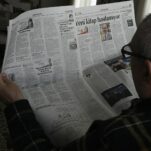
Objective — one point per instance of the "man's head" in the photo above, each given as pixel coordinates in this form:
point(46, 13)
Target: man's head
point(141, 68)
point(105, 28)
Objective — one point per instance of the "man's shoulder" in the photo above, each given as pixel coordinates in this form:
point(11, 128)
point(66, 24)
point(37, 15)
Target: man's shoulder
point(123, 132)
point(122, 121)
point(138, 115)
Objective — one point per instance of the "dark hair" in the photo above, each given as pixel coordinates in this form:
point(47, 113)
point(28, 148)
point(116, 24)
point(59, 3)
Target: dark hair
point(141, 41)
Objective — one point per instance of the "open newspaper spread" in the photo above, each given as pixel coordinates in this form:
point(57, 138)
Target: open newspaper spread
point(68, 68)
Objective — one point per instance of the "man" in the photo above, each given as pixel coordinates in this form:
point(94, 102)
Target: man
point(131, 131)
point(105, 32)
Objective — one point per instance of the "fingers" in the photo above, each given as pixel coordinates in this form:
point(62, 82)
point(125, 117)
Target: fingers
point(1, 80)
point(4, 78)
point(4, 74)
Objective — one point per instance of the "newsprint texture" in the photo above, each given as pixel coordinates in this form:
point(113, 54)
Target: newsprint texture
point(68, 64)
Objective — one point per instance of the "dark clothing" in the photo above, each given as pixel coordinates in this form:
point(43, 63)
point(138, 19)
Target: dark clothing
point(131, 131)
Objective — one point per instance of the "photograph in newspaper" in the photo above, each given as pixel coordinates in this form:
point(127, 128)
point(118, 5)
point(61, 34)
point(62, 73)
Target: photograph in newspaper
point(119, 63)
point(82, 30)
point(115, 94)
point(105, 31)
point(73, 44)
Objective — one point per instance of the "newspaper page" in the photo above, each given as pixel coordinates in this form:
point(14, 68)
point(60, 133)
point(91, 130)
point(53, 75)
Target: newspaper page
point(42, 57)
point(102, 31)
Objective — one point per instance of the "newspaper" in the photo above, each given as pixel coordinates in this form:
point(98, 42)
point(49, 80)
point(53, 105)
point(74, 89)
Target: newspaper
point(56, 55)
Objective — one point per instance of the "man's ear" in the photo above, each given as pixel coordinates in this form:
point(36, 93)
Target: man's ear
point(148, 70)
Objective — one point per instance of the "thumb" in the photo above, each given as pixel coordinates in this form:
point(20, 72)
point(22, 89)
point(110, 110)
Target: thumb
point(5, 78)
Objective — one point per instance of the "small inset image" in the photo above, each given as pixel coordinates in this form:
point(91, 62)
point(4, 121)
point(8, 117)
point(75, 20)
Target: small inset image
point(83, 30)
point(26, 26)
point(130, 22)
point(115, 94)
point(105, 32)
point(73, 44)
point(119, 63)
point(71, 19)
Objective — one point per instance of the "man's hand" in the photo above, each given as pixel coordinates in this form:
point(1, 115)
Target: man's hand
point(9, 91)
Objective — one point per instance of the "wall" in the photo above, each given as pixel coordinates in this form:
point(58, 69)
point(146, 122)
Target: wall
point(143, 9)
point(46, 3)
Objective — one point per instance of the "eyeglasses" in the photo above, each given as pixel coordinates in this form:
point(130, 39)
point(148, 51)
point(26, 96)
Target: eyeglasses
point(127, 53)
